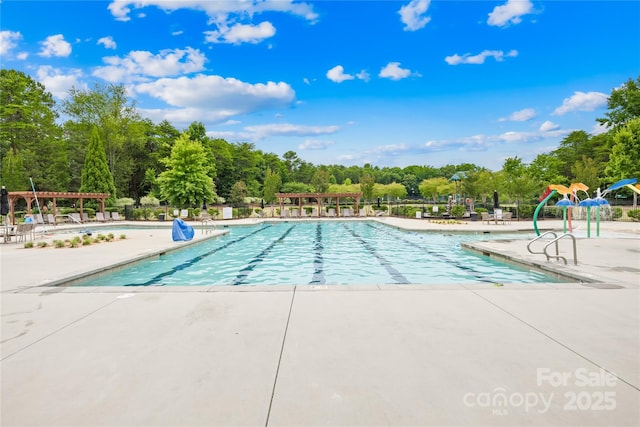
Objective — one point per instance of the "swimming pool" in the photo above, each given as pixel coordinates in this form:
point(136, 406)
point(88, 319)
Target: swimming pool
point(321, 253)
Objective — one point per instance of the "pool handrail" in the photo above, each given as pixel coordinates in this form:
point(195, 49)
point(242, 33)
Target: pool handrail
point(575, 252)
point(555, 236)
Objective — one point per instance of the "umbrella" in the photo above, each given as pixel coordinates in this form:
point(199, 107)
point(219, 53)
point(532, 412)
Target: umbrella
point(4, 201)
point(262, 204)
point(496, 203)
point(565, 203)
point(601, 201)
point(588, 203)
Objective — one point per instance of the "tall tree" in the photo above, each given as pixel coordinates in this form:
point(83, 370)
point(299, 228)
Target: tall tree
point(96, 177)
point(28, 128)
point(320, 181)
point(271, 186)
point(623, 104)
point(186, 182)
point(367, 183)
point(116, 117)
point(625, 155)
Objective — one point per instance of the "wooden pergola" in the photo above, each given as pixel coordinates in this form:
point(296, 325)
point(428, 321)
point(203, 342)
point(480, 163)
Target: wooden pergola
point(319, 197)
point(30, 197)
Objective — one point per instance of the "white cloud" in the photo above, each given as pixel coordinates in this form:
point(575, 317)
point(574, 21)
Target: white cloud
point(177, 33)
point(287, 129)
point(509, 13)
point(484, 142)
point(59, 83)
point(599, 128)
point(337, 74)
point(306, 81)
point(548, 126)
point(214, 98)
point(241, 33)
point(519, 116)
point(582, 101)
point(412, 14)
point(393, 71)
point(219, 12)
point(391, 149)
point(55, 46)
point(315, 144)
point(467, 58)
point(107, 42)
point(232, 122)
point(138, 65)
point(8, 41)
point(363, 75)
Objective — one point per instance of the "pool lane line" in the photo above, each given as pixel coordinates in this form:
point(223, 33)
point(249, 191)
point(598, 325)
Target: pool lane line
point(470, 271)
point(192, 261)
point(395, 274)
point(318, 261)
point(241, 277)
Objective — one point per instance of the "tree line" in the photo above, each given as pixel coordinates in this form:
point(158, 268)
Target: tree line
point(95, 140)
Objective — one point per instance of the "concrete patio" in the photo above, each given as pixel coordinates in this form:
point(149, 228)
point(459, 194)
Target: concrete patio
point(410, 355)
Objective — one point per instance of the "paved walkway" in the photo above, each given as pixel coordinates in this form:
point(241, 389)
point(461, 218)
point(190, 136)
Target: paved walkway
point(545, 354)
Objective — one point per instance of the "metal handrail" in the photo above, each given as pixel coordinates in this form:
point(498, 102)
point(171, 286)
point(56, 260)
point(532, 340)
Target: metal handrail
point(540, 237)
point(575, 252)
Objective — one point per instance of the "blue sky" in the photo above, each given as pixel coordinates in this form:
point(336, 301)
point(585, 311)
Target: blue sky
point(391, 83)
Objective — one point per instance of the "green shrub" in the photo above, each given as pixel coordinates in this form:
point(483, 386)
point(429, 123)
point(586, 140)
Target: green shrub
point(28, 244)
point(124, 201)
point(149, 201)
point(42, 244)
point(634, 214)
point(86, 241)
point(481, 210)
point(96, 240)
point(213, 212)
point(458, 210)
point(137, 214)
point(58, 243)
point(616, 213)
point(123, 236)
point(101, 237)
point(526, 211)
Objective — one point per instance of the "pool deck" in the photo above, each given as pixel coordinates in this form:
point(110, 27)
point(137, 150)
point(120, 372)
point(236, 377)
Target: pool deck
point(396, 355)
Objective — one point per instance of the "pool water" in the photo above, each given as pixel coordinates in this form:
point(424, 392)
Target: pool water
point(321, 253)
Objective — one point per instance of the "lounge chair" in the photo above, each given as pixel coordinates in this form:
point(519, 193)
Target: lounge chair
point(363, 212)
point(85, 217)
point(294, 213)
point(184, 213)
point(332, 213)
point(100, 217)
point(39, 219)
point(314, 213)
point(303, 213)
point(115, 216)
point(486, 217)
point(75, 217)
point(51, 219)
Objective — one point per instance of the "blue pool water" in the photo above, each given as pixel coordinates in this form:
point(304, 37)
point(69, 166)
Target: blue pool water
point(321, 253)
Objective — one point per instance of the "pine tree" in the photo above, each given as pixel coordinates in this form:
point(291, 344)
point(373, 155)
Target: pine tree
point(96, 177)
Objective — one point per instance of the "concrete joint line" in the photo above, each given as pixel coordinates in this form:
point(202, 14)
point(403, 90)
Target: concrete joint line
point(284, 338)
point(556, 341)
point(58, 330)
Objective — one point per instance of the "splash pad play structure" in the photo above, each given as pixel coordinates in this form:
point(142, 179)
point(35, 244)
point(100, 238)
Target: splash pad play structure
point(570, 200)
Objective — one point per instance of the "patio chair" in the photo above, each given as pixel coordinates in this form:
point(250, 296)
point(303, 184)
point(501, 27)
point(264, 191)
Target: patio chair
point(51, 219)
point(115, 216)
point(332, 213)
point(303, 213)
point(294, 213)
point(486, 217)
point(363, 212)
point(39, 219)
point(100, 217)
point(184, 213)
point(24, 232)
point(85, 217)
point(314, 213)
